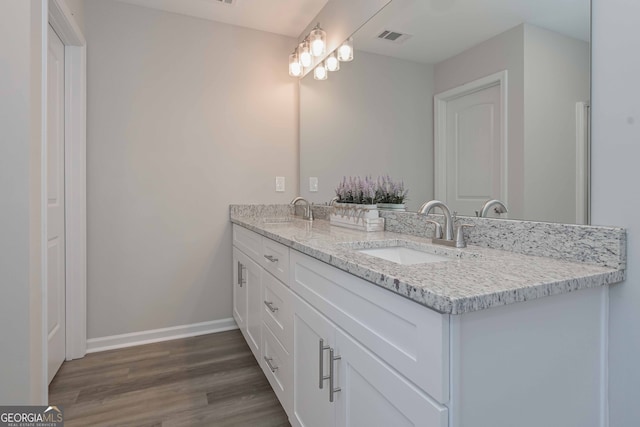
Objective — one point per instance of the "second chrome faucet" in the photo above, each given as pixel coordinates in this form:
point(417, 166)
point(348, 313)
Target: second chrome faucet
point(308, 213)
point(451, 237)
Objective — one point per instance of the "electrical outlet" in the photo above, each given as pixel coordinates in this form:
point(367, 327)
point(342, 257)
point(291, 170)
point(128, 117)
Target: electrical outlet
point(280, 184)
point(313, 184)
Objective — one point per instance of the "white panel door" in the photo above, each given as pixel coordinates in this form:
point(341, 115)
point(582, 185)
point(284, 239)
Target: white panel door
point(311, 406)
point(473, 164)
point(55, 206)
point(373, 394)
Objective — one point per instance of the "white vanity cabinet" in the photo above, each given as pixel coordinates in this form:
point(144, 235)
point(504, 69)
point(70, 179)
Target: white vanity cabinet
point(262, 307)
point(338, 382)
point(378, 341)
point(392, 362)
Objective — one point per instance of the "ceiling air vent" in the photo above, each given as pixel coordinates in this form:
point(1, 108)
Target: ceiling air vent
point(227, 2)
point(393, 36)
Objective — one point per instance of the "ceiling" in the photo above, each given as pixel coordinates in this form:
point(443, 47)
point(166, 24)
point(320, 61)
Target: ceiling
point(440, 29)
point(286, 17)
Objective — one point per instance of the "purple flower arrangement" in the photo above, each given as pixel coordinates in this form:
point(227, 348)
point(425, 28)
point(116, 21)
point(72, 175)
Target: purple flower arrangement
point(368, 191)
point(389, 191)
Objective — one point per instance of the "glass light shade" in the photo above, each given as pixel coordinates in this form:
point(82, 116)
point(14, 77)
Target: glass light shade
point(295, 68)
point(320, 72)
point(332, 62)
point(304, 54)
point(345, 51)
point(318, 41)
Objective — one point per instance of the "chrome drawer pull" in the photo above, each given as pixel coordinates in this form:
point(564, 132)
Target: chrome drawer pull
point(271, 258)
point(322, 376)
point(241, 279)
point(332, 359)
point(268, 360)
point(271, 307)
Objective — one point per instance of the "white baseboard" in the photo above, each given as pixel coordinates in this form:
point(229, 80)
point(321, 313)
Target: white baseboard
point(157, 335)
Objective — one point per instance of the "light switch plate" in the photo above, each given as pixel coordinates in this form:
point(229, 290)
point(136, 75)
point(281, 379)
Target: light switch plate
point(313, 184)
point(280, 184)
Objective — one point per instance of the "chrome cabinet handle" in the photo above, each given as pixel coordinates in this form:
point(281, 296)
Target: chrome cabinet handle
point(241, 280)
point(332, 359)
point(271, 258)
point(322, 376)
point(271, 307)
point(269, 364)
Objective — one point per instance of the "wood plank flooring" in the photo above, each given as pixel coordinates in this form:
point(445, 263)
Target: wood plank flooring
point(210, 380)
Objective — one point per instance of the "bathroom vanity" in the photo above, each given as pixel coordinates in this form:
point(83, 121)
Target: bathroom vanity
point(469, 337)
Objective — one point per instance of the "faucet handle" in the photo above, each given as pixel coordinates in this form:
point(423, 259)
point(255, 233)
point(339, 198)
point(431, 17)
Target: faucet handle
point(437, 232)
point(460, 241)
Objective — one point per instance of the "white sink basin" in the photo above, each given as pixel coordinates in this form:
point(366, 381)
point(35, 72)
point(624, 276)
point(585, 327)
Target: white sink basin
point(404, 256)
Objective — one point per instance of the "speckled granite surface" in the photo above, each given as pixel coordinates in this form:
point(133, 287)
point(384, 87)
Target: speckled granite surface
point(605, 246)
point(475, 278)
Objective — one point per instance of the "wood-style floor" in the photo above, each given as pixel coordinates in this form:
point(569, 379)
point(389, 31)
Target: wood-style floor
point(211, 380)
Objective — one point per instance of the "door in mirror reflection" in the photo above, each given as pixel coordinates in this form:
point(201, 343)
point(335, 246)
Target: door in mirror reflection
point(470, 146)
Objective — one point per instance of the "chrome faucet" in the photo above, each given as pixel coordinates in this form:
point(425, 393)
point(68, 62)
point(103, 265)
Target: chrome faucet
point(497, 205)
point(450, 239)
point(426, 208)
point(333, 201)
point(308, 213)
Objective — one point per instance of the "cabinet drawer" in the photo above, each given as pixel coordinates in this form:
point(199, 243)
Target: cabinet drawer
point(409, 337)
point(277, 365)
point(248, 242)
point(277, 312)
point(275, 259)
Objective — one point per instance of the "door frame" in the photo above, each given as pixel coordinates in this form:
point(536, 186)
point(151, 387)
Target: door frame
point(440, 101)
point(61, 20)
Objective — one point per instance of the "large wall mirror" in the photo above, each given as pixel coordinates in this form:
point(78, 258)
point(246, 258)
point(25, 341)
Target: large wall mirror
point(464, 100)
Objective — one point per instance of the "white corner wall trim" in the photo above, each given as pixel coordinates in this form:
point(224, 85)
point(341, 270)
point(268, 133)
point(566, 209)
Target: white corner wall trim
point(132, 339)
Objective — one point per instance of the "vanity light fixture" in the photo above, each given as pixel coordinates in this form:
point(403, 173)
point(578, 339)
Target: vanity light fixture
point(345, 51)
point(304, 53)
point(318, 41)
point(320, 72)
point(314, 46)
point(332, 62)
point(295, 67)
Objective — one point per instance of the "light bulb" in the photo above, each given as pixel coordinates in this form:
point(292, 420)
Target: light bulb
point(332, 62)
point(320, 72)
point(295, 68)
point(317, 38)
point(305, 54)
point(345, 51)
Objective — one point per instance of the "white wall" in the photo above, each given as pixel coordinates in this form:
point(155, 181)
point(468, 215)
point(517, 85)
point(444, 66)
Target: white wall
point(616, 151)
point(185, 116)
point(556, 76)
point(373, 117)
point(21, 132)
point(502, 52)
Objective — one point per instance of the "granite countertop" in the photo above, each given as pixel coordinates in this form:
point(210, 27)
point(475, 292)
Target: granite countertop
point(475, 278)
